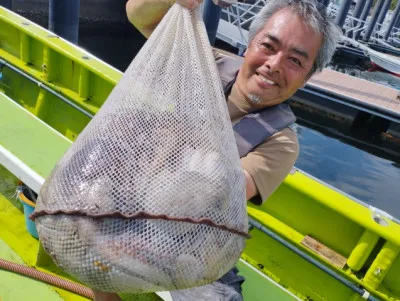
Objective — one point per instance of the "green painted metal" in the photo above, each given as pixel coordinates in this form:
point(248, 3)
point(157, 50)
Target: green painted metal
point(289, 270)
point(14, 234)
point(48, 144)
point(258, 287)
point(300, 206)
point(11, 284)
point(66, 68)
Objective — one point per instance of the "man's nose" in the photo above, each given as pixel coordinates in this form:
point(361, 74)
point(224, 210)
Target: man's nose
point(275, 63)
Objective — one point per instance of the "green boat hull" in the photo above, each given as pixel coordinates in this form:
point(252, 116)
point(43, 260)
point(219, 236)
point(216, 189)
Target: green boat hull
point(39, 123)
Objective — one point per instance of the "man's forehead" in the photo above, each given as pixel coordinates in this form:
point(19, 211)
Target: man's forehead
point(285, 15)
point(285, 26)
point(294, 48)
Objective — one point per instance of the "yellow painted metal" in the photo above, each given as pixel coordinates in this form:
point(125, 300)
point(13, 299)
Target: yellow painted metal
point(84, 83)
point(60, 65)
point(41, 109)
point(13, 231)
point(17, 23)
point(304, 206)
point(336, 202)
point(25, 47)
point(381, 265)
point(363, 250)
point(50, 64)
point(357, 297)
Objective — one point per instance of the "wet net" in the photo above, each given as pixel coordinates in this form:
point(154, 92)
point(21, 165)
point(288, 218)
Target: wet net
point(151, 195)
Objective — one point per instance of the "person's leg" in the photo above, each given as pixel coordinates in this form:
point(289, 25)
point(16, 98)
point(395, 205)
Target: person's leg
point(227, 288)
point(233, 280)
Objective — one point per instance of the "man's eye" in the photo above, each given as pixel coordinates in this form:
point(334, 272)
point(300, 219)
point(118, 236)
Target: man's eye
point(296, 61)
point(268, 46)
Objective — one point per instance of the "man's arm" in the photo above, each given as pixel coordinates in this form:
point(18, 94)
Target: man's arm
point(146, 14)
point(270, 163)
point(251, 188)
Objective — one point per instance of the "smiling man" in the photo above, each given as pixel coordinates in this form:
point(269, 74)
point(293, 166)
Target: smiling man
point(279, 59)
point(290, 40)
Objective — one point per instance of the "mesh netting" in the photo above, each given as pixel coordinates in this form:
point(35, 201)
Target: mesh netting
point(151, 196)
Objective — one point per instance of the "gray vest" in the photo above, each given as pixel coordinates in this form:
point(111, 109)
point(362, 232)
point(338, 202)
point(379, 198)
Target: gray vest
point(254, 128)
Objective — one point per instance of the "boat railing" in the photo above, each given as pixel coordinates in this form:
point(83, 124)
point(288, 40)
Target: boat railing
point(354, 26)
point(379, 31)
point(332, 10)
point(394, 36)
point(236, 19)
point(235, 22)
point(242, 14)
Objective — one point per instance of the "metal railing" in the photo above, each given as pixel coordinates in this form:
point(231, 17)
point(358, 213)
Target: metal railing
point(235, 22)
point(353, 27)
point(236, 19)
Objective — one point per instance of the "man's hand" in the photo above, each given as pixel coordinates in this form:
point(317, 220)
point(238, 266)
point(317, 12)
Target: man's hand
point(251, 188)
point(146, 14)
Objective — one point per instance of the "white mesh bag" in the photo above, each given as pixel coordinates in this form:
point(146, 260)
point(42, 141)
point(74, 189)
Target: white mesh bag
point(151, 196)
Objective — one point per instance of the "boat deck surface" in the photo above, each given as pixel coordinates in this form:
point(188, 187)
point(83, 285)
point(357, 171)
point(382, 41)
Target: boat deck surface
point(363, 92)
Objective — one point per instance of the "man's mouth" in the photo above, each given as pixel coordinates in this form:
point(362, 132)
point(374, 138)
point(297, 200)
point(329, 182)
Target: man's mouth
point(266, 80)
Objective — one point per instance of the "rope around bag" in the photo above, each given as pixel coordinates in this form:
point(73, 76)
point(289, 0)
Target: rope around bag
point(141, 215)
point(57, 281)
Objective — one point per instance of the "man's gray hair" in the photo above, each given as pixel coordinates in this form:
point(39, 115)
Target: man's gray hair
point(314, 16)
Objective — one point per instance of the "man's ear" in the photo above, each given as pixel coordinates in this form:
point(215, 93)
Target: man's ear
point(244, 53)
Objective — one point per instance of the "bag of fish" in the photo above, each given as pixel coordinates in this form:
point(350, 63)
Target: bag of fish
point(151, 195)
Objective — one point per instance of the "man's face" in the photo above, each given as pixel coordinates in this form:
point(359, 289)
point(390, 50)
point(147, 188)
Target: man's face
point(278, 60)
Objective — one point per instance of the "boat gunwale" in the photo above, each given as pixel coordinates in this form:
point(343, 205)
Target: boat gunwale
point(57, 43)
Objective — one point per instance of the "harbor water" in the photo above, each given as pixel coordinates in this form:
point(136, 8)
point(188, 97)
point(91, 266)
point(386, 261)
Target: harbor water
point(372, 179)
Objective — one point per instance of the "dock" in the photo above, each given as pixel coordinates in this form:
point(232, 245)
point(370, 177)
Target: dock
point(359, 93)
point(352, 106)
